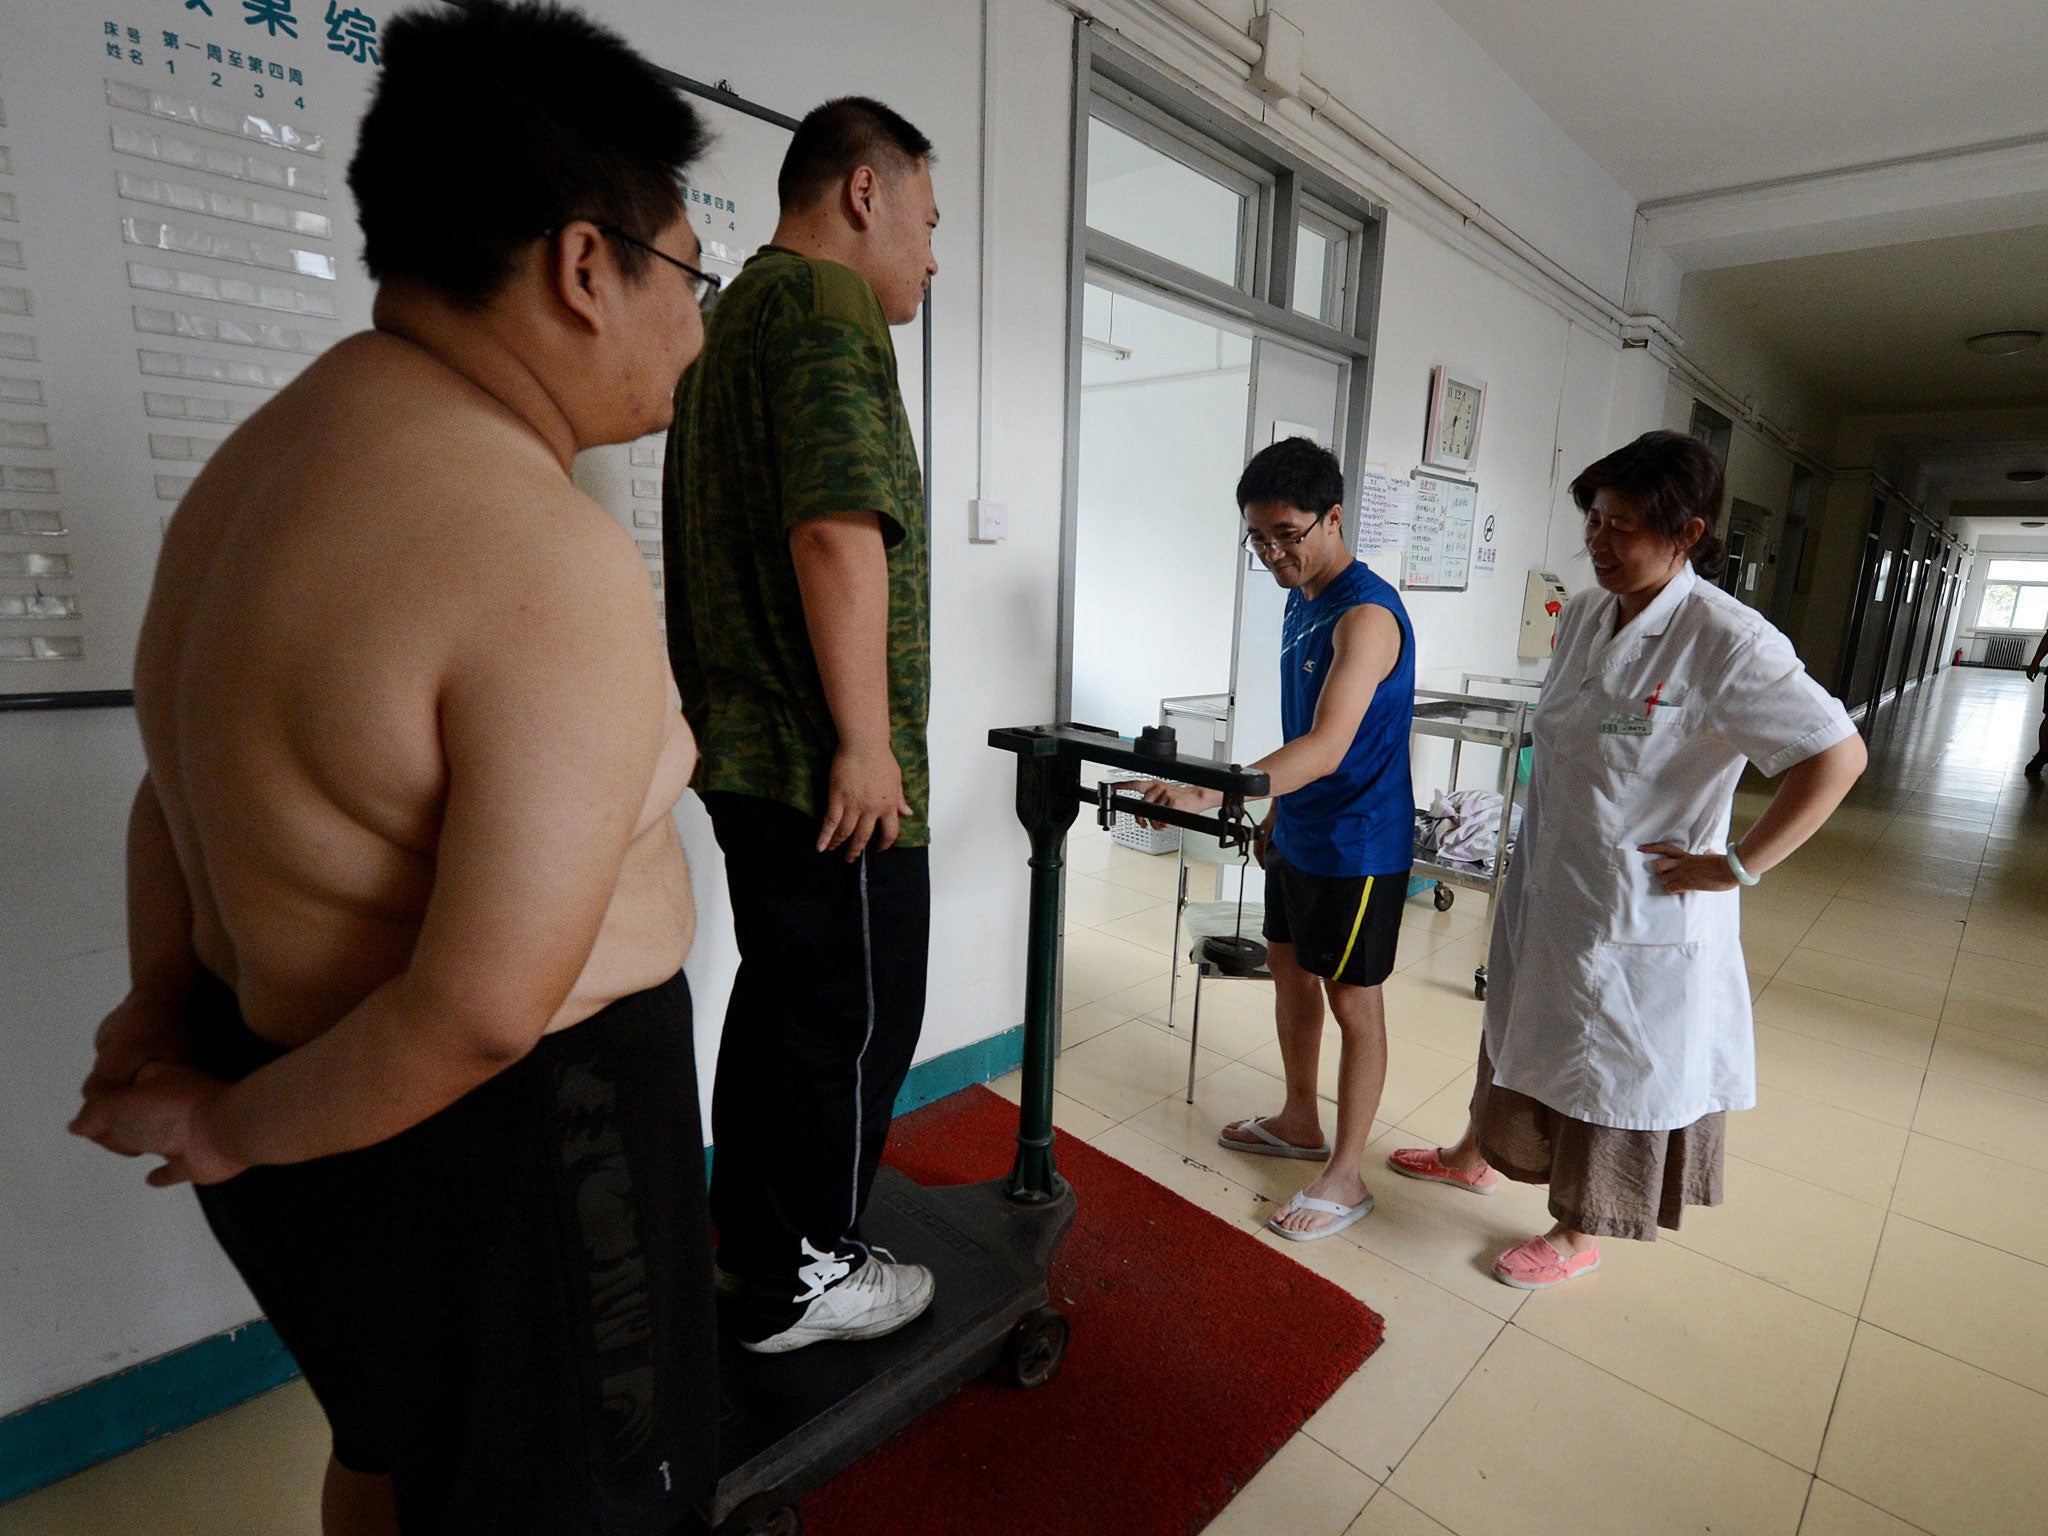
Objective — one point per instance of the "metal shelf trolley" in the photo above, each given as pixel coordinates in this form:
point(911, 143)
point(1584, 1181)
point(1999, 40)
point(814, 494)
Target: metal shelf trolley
point(1472, 719)
point(1486, 684)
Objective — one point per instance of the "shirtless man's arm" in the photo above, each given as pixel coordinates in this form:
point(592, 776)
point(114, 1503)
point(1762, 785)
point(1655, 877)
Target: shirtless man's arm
point(552, 709)
point(149, 1024)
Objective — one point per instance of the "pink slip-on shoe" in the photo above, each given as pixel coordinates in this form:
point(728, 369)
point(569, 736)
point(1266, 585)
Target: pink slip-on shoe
point(1428, 1163)
point(1536, 1266)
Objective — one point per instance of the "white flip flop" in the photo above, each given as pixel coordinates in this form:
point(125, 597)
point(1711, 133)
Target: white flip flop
point(1347, 1216)
point(1269, 1145)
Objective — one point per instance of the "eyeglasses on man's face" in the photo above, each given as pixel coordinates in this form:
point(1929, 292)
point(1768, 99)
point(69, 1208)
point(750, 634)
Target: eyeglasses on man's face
point(707, 284)
point(1268, 549)
point(704, 285)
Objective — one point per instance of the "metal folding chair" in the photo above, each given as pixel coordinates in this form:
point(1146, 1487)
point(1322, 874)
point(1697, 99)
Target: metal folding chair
point(1202, 920)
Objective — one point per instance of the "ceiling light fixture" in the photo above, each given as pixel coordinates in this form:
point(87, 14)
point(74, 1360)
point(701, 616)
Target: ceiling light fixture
point(1999, 343)
point(2026, 476)
point(2034, 523)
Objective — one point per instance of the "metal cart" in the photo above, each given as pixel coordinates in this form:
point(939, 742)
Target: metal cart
point(1470, 718)
point(1481, 682)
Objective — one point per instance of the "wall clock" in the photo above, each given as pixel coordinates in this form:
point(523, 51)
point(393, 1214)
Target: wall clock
point(1452, 436)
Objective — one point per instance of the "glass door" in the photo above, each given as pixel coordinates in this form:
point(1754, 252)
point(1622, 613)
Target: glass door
point(1165, 394)
point(1294, 393)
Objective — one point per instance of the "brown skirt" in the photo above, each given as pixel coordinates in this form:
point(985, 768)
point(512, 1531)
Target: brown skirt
point(1604, 1181)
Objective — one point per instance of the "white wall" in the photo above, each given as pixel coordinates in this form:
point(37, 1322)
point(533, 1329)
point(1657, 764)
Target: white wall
point(1421, 80)
point(1549, 388)
point(1760, 463)
point(97, 1270)
point(1729, 352)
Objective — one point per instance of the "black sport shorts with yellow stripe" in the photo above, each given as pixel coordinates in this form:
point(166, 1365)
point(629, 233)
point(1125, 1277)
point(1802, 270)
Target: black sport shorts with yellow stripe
point(1343, 928)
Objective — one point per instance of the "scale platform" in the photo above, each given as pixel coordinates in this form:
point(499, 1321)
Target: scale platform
point(791, 1422)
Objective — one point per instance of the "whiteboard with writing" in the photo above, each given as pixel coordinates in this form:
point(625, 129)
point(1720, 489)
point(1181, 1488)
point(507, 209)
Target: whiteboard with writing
point(1440, 535)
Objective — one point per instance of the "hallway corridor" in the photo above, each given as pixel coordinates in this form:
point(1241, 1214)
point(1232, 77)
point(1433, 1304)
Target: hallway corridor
point(1856, 1344)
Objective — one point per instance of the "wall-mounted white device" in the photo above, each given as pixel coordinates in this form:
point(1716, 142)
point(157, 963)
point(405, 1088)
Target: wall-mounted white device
point(1542, 598)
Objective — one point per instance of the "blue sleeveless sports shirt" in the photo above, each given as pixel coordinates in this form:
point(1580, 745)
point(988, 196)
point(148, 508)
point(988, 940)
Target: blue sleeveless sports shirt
point(1359, 820)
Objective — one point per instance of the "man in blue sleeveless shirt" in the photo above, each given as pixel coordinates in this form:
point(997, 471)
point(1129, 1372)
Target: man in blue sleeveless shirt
point(1338, 842)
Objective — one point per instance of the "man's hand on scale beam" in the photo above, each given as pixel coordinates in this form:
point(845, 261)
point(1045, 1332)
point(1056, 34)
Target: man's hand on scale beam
point(1185, 797)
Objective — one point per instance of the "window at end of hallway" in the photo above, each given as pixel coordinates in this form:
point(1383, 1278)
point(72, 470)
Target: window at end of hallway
point(2015, 595)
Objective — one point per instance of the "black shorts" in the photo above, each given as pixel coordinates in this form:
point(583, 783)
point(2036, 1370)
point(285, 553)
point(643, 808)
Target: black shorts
point(1343, 928)
point(508, 1308)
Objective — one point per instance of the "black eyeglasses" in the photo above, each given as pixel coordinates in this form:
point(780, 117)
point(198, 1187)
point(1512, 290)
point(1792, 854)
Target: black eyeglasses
point(1267, 548)
point(705, 285)
point(708, 283)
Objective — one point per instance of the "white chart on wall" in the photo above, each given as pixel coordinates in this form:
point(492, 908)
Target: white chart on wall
point(177, 243)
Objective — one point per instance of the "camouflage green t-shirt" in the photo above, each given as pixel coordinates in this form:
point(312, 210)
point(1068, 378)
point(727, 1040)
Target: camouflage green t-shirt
point(792, 412)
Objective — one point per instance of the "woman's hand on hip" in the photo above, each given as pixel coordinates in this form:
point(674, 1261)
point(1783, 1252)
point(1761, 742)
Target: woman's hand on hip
point(1681, 870)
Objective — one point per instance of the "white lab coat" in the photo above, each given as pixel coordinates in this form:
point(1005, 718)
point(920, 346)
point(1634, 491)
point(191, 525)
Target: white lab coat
point(1608, 998)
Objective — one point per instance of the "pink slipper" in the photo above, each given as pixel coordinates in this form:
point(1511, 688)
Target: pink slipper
point(1428, 1163)
point(1536, 1266)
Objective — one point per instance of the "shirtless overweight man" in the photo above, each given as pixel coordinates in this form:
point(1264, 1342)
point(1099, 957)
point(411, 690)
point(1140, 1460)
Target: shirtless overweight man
point(408, 908)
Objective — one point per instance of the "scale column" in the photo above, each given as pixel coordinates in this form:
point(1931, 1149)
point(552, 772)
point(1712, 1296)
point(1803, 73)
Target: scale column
point(1047, 802)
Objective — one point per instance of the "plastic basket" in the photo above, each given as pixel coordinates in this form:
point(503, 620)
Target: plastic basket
point(1129, 832)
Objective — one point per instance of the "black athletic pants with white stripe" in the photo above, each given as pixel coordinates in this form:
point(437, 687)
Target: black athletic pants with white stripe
point(824, 1017)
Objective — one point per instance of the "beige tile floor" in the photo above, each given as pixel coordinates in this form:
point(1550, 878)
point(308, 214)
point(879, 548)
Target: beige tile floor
point(1855, 1344)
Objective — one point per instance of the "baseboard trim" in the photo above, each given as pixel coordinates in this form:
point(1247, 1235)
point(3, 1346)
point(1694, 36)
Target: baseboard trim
point(73, 1431)
point(979, 1062)
point(66, 1434)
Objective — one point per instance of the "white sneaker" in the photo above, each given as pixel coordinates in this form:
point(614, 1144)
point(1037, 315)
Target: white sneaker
point(875, 1299)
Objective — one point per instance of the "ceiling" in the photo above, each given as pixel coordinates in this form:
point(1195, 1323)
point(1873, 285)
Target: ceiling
point(1971, 472)
point(1959, 462)
point(1673, 97)
point(1882, 329)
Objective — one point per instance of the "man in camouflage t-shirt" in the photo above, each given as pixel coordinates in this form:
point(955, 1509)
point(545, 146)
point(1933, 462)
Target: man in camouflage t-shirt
point(799, 626)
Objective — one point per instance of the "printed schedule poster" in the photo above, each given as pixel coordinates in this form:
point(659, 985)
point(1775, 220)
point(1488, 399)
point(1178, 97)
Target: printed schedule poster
point(176, 244)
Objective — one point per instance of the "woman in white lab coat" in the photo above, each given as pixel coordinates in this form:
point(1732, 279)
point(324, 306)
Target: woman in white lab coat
point(1617, 1031)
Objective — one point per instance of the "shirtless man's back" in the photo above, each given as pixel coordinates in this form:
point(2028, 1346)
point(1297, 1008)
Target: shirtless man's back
point(343, 612)
point(408, 909)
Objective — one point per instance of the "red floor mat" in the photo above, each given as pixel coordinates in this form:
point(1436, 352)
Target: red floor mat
point(1197, 1352)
